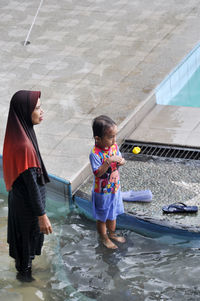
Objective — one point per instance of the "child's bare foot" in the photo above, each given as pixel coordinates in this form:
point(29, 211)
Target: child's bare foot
point(108, 243)
point(117, 238)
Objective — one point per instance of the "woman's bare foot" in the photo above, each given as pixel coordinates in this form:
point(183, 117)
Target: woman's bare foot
point(108, 243)
point(117, 238)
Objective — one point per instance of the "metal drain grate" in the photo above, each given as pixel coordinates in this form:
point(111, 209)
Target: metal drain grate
point(160, 150)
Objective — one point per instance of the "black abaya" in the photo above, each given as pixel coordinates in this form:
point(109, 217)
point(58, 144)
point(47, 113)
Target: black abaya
point(26, 201)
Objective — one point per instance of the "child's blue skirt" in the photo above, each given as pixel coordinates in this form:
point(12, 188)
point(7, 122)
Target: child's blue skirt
point(107, 206)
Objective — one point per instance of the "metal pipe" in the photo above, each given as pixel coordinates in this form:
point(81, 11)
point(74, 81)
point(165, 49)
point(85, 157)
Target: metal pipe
point(25, 43)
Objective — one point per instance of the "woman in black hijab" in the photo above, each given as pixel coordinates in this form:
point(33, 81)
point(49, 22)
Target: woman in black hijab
point(25, 177)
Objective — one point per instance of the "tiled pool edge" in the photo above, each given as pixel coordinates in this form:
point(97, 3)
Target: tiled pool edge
point(178, 77)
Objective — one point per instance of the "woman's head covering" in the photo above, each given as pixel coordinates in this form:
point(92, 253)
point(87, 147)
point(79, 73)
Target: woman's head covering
point(20, 150)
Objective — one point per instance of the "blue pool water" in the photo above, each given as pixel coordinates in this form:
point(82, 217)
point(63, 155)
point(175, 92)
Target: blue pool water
point(181, 86)
point(189, 95)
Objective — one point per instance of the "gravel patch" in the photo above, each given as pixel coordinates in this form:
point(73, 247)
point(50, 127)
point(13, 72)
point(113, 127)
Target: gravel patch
point(170, 181)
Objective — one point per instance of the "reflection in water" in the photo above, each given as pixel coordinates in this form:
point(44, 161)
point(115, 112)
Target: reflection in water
point(141, 269)
point(76, 266)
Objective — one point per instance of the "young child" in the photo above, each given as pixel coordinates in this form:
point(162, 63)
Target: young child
point(105, 158)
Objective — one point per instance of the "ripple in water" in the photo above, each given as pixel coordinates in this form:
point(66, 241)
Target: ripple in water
point(141, 269)
point(76, 266)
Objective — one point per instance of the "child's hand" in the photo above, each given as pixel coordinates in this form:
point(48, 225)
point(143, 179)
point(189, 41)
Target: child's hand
point(118, 159)
point(122, 162)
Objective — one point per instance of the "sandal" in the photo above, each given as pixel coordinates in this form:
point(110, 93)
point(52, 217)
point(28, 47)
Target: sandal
point(179, 208)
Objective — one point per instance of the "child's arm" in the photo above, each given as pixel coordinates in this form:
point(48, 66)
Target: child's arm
point(104, 167)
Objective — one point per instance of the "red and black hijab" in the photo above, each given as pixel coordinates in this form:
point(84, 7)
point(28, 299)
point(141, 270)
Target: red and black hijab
point(20, 150)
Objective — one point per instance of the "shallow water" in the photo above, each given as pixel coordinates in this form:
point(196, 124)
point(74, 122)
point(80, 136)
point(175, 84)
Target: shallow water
point(141, 269)
point(46, 285)
point(75, 266)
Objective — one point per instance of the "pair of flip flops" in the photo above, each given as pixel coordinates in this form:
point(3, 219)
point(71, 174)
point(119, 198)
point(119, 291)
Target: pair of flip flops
point(179, 208)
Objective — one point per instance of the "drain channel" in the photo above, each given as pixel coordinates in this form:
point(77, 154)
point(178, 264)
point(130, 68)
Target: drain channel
point(160, 150)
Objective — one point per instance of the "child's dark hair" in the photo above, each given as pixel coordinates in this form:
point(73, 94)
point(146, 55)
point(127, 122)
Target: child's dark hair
point(100, 125)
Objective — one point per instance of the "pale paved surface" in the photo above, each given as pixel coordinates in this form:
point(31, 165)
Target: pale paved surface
point(89, 58)
point(170, 124)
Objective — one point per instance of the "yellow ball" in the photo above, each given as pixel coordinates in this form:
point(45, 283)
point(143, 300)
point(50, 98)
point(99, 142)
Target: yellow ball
point(136, 150)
